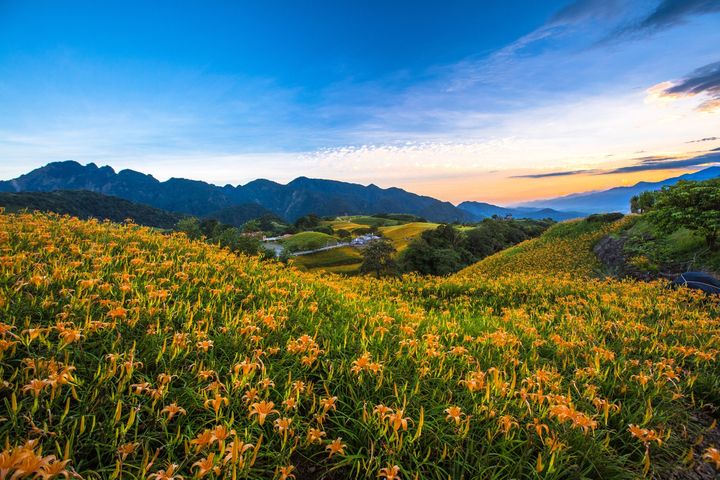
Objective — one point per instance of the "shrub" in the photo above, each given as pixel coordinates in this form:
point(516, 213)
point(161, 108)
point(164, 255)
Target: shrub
point(605, 217)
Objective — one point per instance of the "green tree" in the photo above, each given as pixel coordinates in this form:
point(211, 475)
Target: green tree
point(234, 239)
point(378, 258)
point(251, 226)
point(693, 205)
point(308, 222)
point(642, 203)
point(190, 226)
point(343, 233)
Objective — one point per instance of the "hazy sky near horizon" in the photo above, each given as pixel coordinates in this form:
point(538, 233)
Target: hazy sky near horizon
point(499, 101)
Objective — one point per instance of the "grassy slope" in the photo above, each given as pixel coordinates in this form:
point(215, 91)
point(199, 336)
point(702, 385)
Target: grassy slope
point(565, 248)
point(369, 221)
point(308, 241)
point(343, 256)
point(340, 224)
point(352, 223)
point(402, 235)
point(548, 372)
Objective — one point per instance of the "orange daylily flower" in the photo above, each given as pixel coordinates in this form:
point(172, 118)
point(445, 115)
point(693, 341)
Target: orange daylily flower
point(35, 386)
point(205, 439)
point(127, 449)
point(282, 425)
point(315, 435)
point(390, 473)
point(336, 446)
point(262, 410)
point(329, 403)
point(286, 472)
point(712, 455)
point(455, 414)
point(217, 403)
point(207, 465)
point(172, 410)
point(645, 435)
point(397, 420)
point(168, 474)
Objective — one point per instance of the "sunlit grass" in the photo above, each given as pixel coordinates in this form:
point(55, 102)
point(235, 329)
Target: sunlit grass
point(402, 235)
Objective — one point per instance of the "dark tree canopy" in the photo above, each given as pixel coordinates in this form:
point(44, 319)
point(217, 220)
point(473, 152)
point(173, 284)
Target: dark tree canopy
point(378, 258)
point(221, 234)
point(308, 222)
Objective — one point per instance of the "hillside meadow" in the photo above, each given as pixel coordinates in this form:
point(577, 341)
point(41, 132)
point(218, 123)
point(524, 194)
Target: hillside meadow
point(126, 353)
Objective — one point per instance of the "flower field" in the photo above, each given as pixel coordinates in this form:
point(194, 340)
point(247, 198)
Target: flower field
point(566, 248)
point(126, 353)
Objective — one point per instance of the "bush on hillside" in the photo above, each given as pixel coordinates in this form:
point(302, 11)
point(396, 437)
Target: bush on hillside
point(693, 205)
point(605, 217)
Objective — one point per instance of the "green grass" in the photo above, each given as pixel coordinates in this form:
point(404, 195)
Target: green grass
point(342, 256)
point(653, 251)
point(339, 224)
point(308, 241)
point(349, 269)
point(348, 259)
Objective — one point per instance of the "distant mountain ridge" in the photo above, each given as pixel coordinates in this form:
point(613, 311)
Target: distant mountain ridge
point(299, 197)
point(259, 197)
point(485, 210)
point(616, 199)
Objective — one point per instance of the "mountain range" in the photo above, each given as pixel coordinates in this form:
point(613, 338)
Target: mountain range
point(481, 210)
point(299, 197)
point(238, 204)
point(235, 205)
point(616, 199)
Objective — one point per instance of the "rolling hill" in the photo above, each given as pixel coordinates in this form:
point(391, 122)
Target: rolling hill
point(564, 249)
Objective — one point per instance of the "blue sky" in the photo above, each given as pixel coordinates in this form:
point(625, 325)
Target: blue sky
point(499, 101)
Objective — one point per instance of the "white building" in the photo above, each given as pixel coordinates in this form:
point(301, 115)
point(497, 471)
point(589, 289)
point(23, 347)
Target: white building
point(363, 240)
